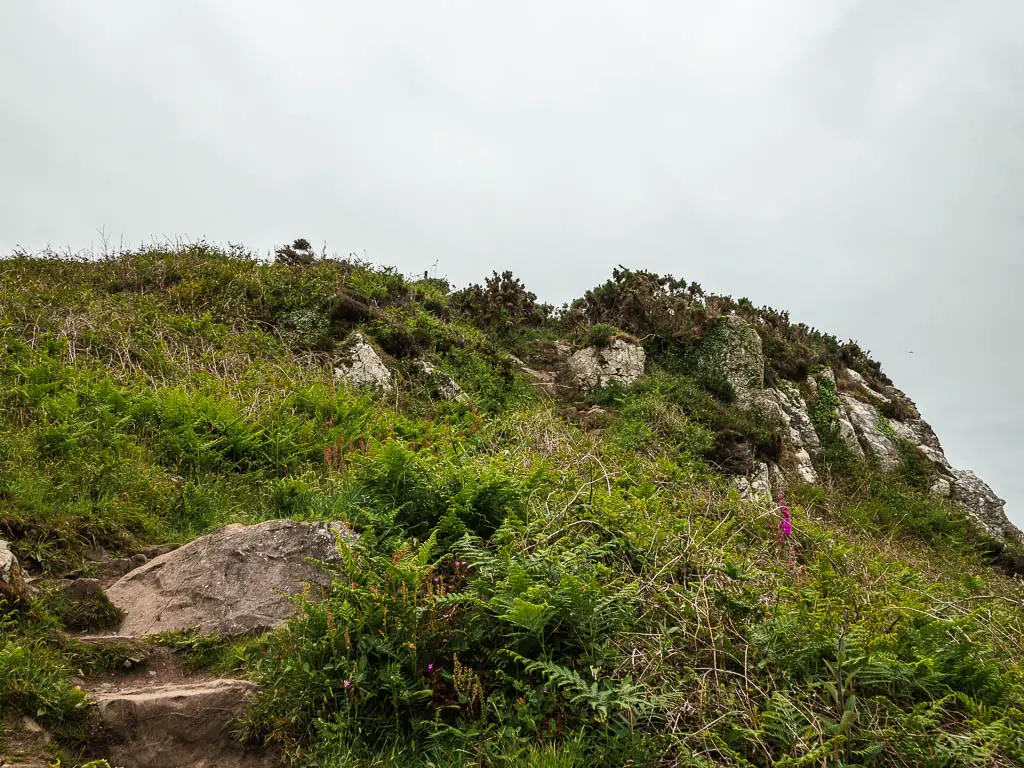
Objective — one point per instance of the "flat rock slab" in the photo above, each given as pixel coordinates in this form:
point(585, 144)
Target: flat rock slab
point(234, 581)
point(173, 726)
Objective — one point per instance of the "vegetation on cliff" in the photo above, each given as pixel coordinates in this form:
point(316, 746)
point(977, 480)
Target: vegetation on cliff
point(527, 588)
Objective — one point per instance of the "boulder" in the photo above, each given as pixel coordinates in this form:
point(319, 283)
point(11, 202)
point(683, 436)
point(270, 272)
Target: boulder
point(868, 426)
point(236, 580)
point(362, 366)
point(982, 504)
point(443, 384)
point(177, 725)
point(595, 367)
point(732, 352)
point(13, 586)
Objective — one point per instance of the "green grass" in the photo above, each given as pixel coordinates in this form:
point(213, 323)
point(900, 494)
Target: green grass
point(522, 592)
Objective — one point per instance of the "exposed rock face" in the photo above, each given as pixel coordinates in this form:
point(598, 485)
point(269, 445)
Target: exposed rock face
point(732, 352)
point(868, 426)
point(12, 578)
point(177, 725)
point(593, 367)
point(981, 502)
point(445, 386)
point(802, 443)
point(234, 581)
point(362, 366)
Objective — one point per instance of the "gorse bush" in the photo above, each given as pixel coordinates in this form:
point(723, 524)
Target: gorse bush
point(523, 591)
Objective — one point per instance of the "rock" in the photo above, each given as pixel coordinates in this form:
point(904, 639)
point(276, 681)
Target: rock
point(157, 549)
point(918, 433)
point(942, 488)
point(443, 384)
point(758, 485)
point(138, 560)
point(187, 724)
point(362, 366)
point(234, 581)
point(593, 367)
point(116, 568)
point(867, 424)
point(83, 589)
point(732, 352)
point(860, 385)
point(802, 444)
point(732, 454)
point(982, 504)
point(13, 586)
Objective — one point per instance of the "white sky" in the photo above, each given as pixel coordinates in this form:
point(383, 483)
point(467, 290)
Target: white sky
point(857, 162)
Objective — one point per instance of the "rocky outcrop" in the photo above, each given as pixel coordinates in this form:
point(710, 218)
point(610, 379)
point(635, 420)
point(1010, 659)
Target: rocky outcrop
point(189, 724)
point(981, 503)
point(236, 580)
point(868, 426)
point(443, 385)
point(361, 366)
point(595, 367)
point(732, 352)
point(801, 444)
point(13, 586)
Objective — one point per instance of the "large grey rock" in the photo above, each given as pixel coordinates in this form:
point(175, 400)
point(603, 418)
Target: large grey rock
point(12, 579)
point(732, 351)
point(189, 724)
point(801, 444)
point(234, 581)
point(982, 504)
point(868, 424)
point(361, 366)
point(596, 367)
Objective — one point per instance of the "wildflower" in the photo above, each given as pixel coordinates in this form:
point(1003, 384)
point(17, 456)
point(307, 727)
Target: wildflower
point(348, 683)
point(430, 667)
point(785, 524)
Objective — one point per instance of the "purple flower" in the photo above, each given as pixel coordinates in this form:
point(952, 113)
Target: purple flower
point(785, 524)
point(430, 667)
point(348, 683)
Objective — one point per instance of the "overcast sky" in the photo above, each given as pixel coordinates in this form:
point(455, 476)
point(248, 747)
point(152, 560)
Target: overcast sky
point(859, 163)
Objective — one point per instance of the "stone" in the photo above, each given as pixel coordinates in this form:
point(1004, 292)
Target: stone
point(138, 560)
point(12, 578)
point(758, 485)
point(868, 426)
point(188, 724)
point(942, 488)
point(860, 385)
point(732, 352)
point(234, 581)
point(596, 367)
point(981, 503)
point(83, 589)
point(362, 366)
point(444, 385)
point(801, 445)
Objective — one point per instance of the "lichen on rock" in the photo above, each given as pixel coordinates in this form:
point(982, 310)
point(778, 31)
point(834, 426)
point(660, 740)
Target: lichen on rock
point(619, 362)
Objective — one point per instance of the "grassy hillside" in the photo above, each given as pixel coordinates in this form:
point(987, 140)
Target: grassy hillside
point(528, 589)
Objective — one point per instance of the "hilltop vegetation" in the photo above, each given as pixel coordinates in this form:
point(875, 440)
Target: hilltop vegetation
point(527, 588)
